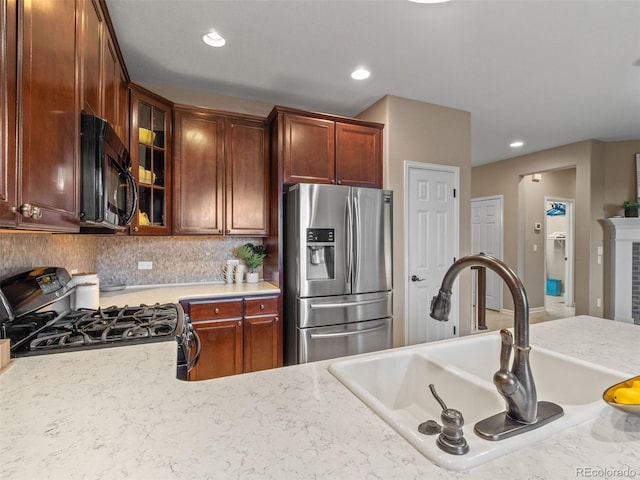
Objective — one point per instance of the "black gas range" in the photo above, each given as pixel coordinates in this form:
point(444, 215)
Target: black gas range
point(31, 316)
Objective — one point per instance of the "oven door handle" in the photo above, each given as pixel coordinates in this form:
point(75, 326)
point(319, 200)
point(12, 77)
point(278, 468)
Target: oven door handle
point(317, 336)
point(192, 333)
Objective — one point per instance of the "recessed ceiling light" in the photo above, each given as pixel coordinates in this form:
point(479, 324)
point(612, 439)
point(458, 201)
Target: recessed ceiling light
point(516, 144)
point(214, 39)
point(360, 74)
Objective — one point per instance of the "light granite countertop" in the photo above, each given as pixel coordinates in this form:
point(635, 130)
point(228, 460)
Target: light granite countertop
point(120, 413)
point(151, 294)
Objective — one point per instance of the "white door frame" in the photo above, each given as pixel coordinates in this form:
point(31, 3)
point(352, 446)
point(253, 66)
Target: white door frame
point(455, 306)
point(500, 251)
point(569, 249)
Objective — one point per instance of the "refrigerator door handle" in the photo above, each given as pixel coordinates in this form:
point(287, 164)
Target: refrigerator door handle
point(315, 336)
point(349, 244)
point(356, 240)
point(320, 306)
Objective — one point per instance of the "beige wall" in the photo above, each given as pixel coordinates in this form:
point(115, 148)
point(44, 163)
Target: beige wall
point(560, 184)
point(620, 175)
point(427, 133)
point(605, 176)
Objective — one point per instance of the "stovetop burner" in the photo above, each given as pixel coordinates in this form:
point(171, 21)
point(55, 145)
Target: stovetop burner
point(80, 329)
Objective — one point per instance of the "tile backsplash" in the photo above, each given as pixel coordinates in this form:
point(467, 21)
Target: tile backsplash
point(175, 259)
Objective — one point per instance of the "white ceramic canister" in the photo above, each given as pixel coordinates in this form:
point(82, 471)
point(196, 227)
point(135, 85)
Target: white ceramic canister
point(87, 291)
point(240, 269)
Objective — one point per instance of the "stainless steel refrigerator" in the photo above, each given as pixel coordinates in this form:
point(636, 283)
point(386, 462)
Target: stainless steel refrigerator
point(338, 271)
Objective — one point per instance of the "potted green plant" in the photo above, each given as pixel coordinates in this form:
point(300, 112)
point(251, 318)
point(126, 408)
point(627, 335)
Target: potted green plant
point(253, 256)
point(630, 208)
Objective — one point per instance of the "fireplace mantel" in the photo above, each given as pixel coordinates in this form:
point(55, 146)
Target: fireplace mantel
point(624, 235)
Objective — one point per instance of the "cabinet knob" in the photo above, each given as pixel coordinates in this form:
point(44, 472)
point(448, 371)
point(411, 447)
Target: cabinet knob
point(29, 211)
point(333, 181)
point(239, 324)
point(216, 311)
point(228, 231)
point(135, 229)
point(262, 306)
point(339, 182)
point(275, 319)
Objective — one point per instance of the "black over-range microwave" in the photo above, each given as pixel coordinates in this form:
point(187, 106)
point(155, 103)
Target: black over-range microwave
point(108, 192)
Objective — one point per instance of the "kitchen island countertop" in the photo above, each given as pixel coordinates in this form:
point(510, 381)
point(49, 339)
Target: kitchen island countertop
point(120, 413)
point(151, 294)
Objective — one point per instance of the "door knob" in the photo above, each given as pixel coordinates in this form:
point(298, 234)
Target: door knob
point(414, 278)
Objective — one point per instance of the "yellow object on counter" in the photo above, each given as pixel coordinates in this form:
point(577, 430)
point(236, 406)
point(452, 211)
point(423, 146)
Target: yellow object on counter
point(624, 396)
point(627, 396)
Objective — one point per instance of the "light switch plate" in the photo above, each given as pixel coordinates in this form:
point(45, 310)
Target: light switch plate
point(145, 265)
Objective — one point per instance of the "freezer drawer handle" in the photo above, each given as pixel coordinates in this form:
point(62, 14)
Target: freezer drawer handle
point(318, 306)
point(315, 336)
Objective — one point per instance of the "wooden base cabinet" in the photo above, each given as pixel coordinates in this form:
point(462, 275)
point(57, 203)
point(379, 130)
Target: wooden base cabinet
point(262, 334)
point(238, 335)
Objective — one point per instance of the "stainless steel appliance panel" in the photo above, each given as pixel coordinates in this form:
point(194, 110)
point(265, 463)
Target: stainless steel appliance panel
point(372, 240)
point(324, 311)
point(318, 267)
point(322, 343)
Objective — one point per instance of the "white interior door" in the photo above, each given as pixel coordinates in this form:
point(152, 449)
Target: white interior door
point(486, 237)
point(431, 245)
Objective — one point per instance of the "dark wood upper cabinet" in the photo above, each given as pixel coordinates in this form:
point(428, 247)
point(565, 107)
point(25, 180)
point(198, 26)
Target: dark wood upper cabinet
point(114, 86)
point(151, 161)
point(48, 117)
point(198, 173)
point(308, 150)
point(90, 58)
point(102, 77)
point(320, 148)
point(221, 173)
point(246, 157)
point(8, 86)
point(358, 155)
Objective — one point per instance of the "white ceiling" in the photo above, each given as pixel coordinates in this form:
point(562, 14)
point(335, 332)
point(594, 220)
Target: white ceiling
point(549, 72)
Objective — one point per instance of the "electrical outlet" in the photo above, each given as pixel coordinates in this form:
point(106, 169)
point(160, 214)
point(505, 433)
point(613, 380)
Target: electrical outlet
point(145, 265)
point(74, 271)
point(598, 303)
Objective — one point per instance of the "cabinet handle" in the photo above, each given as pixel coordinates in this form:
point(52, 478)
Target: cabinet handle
point(216, 311)
point(29, 211)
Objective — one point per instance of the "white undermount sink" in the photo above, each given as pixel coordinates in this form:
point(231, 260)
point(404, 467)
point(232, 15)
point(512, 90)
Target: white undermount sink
point(395, 385)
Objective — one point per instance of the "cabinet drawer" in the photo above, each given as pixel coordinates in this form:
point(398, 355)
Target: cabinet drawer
point(260, 306)
point(215, 310)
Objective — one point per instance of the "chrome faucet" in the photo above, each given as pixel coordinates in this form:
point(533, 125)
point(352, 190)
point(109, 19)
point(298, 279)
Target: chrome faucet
point(516, 385)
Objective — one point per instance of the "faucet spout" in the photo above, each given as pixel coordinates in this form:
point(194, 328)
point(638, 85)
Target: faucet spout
point(515, 384)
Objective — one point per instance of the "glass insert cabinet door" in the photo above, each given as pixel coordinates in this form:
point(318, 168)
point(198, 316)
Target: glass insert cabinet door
point(151, 163)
